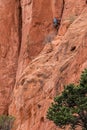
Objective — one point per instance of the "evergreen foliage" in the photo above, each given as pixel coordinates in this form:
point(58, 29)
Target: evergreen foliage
point(6, 122)
point(70, 108)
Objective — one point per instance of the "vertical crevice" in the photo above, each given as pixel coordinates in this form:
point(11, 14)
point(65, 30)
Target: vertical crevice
point(19, 26)
point(60, 18)
point(62, 9)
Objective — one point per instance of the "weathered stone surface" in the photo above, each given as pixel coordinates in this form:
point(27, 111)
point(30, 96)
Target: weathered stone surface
point(36, 60)
point(9, 47)
point(60, 63)
point(72, 9)
point(37, 24)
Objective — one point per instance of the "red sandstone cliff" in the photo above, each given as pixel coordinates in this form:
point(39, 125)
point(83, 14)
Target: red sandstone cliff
point(32, 69)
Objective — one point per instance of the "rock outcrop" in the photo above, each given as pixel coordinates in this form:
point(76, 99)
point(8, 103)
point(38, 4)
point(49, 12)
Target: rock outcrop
point(9, 50)
point(36, 61)
point(37, 17)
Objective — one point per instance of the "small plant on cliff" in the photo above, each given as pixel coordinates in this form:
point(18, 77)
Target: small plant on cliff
point(49, 38)
point(70, 108)
point(6, 122)
point(72, 19)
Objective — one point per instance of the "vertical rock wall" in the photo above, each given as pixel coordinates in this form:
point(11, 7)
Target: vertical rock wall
point(37, 17)
point(25, 30)
point(24, 25)
point(9, 47)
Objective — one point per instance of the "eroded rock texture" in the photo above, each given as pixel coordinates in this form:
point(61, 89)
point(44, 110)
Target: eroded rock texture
point(37, 17)
point(9, 49)
point(36, 61)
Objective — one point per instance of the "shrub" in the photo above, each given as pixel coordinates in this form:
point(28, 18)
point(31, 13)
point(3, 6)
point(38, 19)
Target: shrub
point(6, 122)
point(72, 18)
point(49, 38)
point(70, 108)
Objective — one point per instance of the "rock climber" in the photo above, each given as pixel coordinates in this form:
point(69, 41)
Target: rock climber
point(56, 23)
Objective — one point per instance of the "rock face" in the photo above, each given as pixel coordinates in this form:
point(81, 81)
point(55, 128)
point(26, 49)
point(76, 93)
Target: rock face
point(37, 16)
point(9, 49)
point(36, 61)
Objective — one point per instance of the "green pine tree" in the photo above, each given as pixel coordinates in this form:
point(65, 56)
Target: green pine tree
point(70, 108)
